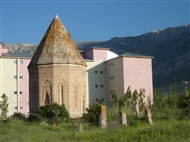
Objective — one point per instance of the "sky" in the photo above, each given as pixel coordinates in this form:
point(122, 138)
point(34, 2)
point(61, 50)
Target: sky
point(26, 21)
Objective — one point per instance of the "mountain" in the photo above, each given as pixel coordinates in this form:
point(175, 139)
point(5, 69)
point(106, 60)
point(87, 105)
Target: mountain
point(170, 48)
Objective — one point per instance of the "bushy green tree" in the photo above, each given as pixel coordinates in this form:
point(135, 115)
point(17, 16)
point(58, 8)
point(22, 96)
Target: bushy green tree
point(4, 107)
point(54, 111)
point(19, 116)
point(141, 103)
point(133, 102)
point(92, 114)
point(158, 101)
point(183, 100)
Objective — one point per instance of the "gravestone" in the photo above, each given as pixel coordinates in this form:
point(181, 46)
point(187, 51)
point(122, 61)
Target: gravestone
point(189, 108)
point(149, 116)
point(102, 116)
point(123, 118)
point(80, 128)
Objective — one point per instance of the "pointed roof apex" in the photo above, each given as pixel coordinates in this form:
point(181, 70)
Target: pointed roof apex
point(56, 16)
point(56, 47)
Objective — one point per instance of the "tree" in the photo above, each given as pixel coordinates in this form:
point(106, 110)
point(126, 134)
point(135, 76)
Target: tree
point(133, 101)
point(183, 101)
point(4, 107)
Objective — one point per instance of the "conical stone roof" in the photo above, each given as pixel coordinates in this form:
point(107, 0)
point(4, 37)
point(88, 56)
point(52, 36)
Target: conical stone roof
point(56, 47)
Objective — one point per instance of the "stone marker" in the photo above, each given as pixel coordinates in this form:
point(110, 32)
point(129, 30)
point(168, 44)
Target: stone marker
point(102, 116)
point(123, 118)
point(189, 108)
point(149, 116)
point(80, 128)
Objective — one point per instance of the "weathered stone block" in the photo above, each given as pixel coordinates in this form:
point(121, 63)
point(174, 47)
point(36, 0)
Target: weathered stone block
point(80, 128)
point(149, 116)
point(102, 117)
point(123, 118)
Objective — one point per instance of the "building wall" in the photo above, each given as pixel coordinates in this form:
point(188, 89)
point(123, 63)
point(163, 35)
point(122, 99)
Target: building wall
point(24, 85)
point(111, 55)
point(138, 74)
point(100, 54)
point(115, 77)
point(3, 49)
point(96, 81)
point(13, 85)
point(9, 83)
point(88, 54)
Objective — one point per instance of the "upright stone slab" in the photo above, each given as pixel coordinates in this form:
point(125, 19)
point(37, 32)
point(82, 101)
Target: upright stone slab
point(149, 116)
point(102, 116)
point(189, 108)
point(123, 118)
point(80, 128)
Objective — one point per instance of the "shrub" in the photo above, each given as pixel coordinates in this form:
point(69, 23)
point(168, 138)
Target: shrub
point(4, 107)
point(183, 101)
point(52, 111)
point(18, 116)
point(114, 99)
point(92, 114)
point(34, 118)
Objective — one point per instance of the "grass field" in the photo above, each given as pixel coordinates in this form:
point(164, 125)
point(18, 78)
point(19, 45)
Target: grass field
point(166, 128)
point(170, 124)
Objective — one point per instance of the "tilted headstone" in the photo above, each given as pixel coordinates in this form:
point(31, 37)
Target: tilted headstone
point(149, 116)
point(102, 116)
point(80, 128)
point(123, 118)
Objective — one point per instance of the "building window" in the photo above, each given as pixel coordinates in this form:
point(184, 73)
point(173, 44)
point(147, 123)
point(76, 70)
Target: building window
point(102, 86)
point(21, 77)
point(101, 72)
point(21, 61)
point(96, 71)
point(15, 61)
point(112, 77)
point(96, 99)
point(15, 76)
point(102, 99)
point(20, 92)
point(21, 107)
point(96, 86)
point(16, 107)
point(112, 91)
point(15, 92)
point(111, 64)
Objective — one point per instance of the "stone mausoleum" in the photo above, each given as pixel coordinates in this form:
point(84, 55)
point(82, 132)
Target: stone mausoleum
point(57, 72)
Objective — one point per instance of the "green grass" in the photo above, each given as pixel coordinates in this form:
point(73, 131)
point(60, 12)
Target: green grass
point(163, 129)
point(170, 124)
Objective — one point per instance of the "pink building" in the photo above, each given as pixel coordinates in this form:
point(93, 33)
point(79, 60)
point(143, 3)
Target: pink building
point(114, 74)
point(132, 70)
point(14, 79)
